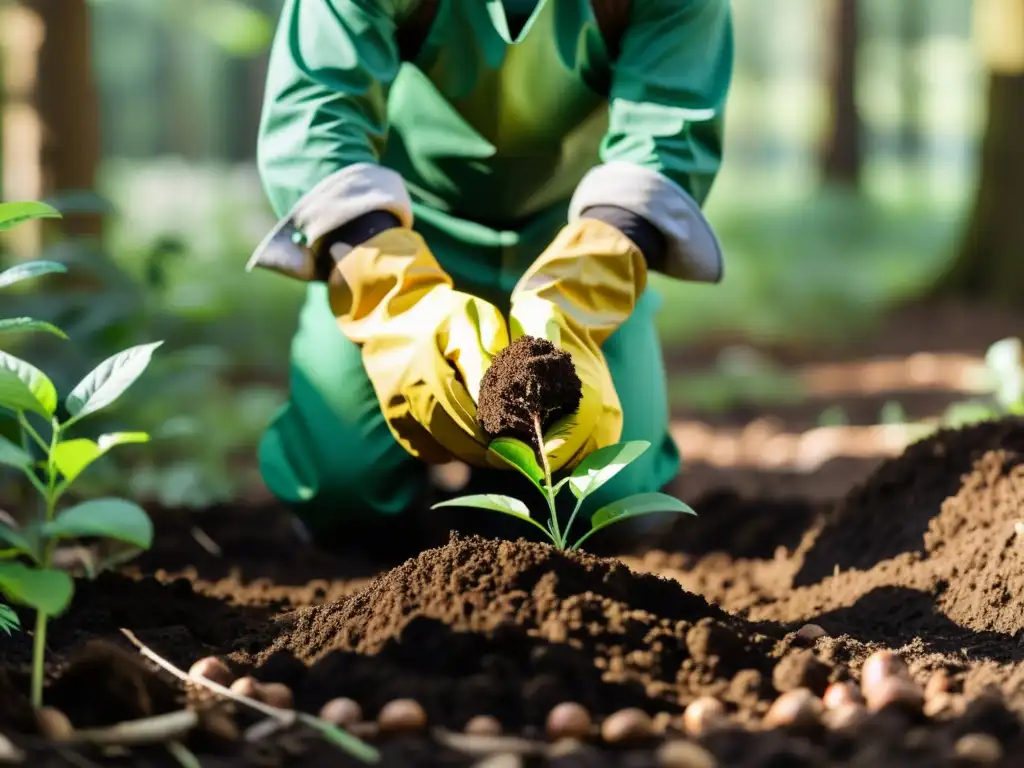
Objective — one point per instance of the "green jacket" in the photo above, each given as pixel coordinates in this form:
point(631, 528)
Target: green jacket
point(444, 111)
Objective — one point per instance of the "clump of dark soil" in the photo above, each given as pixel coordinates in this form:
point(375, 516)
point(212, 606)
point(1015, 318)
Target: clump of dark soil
point(530, 379)
point(511, 628)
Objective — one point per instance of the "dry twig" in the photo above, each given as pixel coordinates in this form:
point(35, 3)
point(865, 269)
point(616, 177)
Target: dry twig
point(286, 717)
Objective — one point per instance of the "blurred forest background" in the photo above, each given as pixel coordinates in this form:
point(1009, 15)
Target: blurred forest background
point(873, 157)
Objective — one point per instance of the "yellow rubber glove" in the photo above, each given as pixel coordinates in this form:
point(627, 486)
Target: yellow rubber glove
point(425, 346)
point(575, 295)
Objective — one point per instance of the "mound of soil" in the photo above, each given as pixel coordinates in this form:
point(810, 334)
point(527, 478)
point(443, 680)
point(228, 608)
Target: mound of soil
point(512, 628)
point(926, 555)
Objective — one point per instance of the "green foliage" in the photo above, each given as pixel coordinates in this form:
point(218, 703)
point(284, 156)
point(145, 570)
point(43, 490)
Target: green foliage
point(1004, 382)
point(8, 619)
point(590, 475)
point(26, 573)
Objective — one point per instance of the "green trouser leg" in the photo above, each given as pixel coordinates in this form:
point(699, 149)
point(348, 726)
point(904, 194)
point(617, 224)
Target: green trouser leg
point(328, 452)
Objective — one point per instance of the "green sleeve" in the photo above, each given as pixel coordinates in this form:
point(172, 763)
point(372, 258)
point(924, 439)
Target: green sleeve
point(663, 146)
point(331, 65)
point(324, 125)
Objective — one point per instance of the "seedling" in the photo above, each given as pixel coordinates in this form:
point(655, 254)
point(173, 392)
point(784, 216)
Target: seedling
point(527, 401)
point(26, 575)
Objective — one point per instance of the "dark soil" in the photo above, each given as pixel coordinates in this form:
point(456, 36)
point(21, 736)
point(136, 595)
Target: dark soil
point(530, 379)
point(923, 557)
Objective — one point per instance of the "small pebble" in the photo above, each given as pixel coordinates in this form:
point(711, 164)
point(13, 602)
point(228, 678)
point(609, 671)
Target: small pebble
point(809, 634)
point(277, 695)
point(678, 753)
point(568, 720)
point(54, 724)
point(341, 712)
point(626, 725)
point(895, 691)
point(937, 684)
point(879, 666)
point(797, 708)
point(979, 748)
point(483, 725)
point(213, 669)
point(846, 716)
point(402, 715)
point(702, 715)
point(840, 694)
point(247, 686)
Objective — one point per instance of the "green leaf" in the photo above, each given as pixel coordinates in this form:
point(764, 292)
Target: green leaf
point(604, 464)
point(23, 387)
point(110, 518)
point(73, 456)
point(109, 380)
point(13, 214)
point(28, 270)
point(9, 620)
point(637, 505)
point(13, 455)
point(16, 539)
point(29, 325)
point(1005, 361)
point(47, 591)
point(520, 456)
point(494, 503)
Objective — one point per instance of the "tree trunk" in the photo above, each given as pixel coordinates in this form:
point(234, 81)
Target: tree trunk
point(841, 156)
point(990, 262)
point(51, 142)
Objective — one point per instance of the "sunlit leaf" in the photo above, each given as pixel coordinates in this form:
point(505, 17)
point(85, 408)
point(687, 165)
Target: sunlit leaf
point(13, 455)
point(73, 456)
point(521, 456)
point(637, 505)
point(13, 214)
point(109, 518)
point(47, 591)
point(29, 325)
point(109, 380)
point(494, 503)
point(604, 464)
point(28, 270)
point(23, 387)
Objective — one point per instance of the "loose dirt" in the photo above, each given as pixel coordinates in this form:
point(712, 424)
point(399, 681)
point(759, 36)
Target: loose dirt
point(923, 556)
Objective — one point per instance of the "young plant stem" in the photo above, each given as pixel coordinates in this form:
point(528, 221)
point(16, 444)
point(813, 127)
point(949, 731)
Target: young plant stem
point(572, 517)
point(50, 496)
point(548, 485)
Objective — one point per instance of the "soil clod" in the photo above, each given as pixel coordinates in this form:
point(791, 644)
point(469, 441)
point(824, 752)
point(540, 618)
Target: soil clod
point(531, 378)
